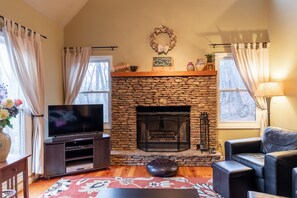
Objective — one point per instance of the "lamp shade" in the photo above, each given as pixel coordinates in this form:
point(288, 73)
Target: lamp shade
point(269, 89)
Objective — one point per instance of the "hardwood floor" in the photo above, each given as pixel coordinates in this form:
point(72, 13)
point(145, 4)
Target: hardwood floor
point(38, 187)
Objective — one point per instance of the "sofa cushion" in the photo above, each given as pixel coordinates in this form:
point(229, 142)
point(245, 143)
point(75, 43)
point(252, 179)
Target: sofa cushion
point(252, 160)
point(277, 139)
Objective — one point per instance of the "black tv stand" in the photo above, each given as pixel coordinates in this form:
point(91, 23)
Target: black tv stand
point(76, 154)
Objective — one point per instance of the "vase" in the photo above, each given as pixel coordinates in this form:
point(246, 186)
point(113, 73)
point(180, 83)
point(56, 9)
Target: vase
point(190, 66)
point(5, 144)
point(199, 66)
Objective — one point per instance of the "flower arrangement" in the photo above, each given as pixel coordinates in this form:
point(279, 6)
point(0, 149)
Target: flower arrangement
point(8, 107)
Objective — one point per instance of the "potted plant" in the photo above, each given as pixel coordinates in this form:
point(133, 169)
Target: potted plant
point(209, 57)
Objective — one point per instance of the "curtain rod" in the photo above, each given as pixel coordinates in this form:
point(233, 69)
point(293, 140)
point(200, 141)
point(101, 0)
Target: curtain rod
point(2, 17)
point(99, 47)
point(227, 44)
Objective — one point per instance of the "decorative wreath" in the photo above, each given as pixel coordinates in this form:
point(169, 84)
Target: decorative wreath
point(160, 48)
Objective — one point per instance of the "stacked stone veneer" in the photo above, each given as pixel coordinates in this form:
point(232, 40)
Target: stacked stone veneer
point(199, 92)
point(186, 158)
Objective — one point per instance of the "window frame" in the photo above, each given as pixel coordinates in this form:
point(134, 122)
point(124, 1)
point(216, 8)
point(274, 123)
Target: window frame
point(232, 124)
point(98, 58)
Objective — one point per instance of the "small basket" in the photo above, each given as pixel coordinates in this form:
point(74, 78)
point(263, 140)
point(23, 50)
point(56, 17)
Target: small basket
point(133, 68)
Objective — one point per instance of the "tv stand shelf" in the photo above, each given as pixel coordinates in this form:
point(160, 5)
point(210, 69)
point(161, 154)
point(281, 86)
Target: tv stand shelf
point(78, 148)
point(79, 158)
point(75, 155)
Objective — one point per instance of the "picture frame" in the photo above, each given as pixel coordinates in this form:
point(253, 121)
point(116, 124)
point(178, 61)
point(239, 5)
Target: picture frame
point(163, 64)
point(210, 66)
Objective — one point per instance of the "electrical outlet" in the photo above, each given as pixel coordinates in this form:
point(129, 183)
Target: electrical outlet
point(220, 143)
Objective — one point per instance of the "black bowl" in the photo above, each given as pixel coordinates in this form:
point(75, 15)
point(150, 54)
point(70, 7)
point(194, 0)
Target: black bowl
point(133, 68)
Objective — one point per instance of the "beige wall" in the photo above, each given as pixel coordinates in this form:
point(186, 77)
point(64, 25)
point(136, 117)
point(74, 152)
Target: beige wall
point(196, 23)
point(283, 60)
point(228, 134)
point(282, 30)
point(23, 14)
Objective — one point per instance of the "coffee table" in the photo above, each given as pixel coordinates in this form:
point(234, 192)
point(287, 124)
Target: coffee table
point(147, 193)
point(253, 194)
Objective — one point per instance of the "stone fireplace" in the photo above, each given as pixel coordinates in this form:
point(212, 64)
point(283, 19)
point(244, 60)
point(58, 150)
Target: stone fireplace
point(163, 128)
point(132, 91)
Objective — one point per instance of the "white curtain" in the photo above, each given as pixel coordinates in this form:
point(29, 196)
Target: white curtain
point(75, 65)
point(25, 51)
point(252, 62)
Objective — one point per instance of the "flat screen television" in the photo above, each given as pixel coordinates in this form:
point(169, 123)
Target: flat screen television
point(66, 120)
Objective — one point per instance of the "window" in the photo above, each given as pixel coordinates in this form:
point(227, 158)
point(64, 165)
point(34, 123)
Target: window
point(7, 78)
point(96, 87)
point(237, 109)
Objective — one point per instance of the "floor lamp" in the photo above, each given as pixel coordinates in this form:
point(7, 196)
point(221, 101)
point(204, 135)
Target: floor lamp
point(268, 90)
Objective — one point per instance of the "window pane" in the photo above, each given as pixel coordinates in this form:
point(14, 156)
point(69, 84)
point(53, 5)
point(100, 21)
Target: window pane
point(7, 78)
point(229, 75)
point(97, 77)
point(237, 107)
point(96, 86)
point(95, 98)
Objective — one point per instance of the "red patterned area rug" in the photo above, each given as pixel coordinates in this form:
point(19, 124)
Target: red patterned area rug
point(81, 187)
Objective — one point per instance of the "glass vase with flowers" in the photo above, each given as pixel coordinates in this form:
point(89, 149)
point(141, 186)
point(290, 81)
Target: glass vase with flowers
point(9, 109)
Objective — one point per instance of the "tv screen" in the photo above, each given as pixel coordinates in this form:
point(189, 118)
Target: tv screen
point(74, 119)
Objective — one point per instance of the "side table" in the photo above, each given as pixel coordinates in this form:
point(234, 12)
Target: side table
point(9, 171)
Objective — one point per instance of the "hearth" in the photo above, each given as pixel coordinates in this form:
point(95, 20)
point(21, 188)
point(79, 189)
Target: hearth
point(163, 128)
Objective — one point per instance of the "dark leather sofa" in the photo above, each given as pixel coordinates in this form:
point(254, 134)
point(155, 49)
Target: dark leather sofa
point(294, 182)
point(272, 157)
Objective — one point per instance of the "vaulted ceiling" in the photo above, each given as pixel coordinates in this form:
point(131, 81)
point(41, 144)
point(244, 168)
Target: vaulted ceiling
point(60, 11)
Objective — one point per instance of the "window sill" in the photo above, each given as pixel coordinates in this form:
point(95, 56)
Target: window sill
point(252, 125)
point(238, 128)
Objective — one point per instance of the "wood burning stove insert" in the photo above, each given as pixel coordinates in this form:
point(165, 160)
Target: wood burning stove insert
point(163, 128)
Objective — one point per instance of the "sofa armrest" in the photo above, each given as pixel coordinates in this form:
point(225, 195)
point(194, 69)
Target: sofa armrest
point(278, 172)
point(246, 145)
point(294, 183)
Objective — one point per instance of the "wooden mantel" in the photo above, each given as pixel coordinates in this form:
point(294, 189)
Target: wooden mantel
point(163, 73)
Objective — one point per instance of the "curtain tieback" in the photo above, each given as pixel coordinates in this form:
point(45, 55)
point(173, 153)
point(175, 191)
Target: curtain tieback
point(37, 115)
